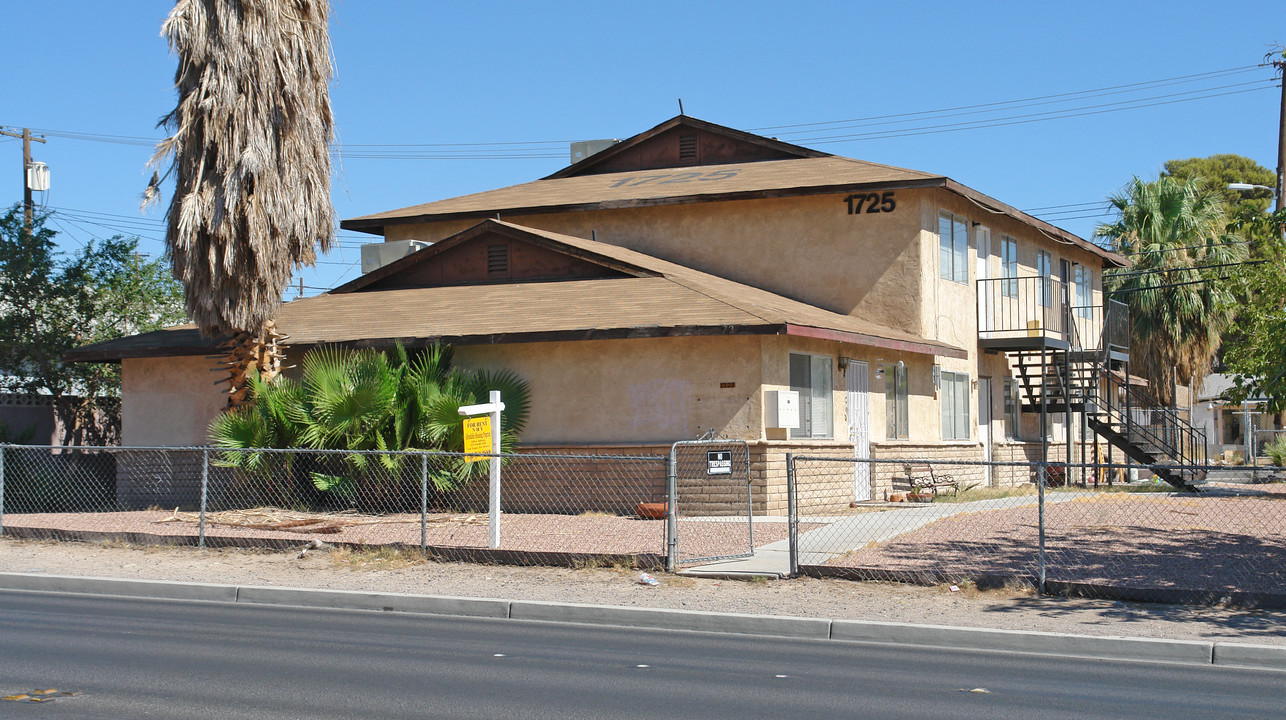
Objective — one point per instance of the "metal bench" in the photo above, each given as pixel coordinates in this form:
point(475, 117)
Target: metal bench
point(922, 476)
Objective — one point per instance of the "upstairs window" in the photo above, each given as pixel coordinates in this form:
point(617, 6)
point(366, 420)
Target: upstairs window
point(1084, 278)
point(1009, 265)
point(810, 376)
point(1045, 287)
point(953, 248)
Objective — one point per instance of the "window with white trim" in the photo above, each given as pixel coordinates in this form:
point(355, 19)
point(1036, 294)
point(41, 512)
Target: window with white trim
point(1009, 265)
point(953, 248)
point(897, 412)
point(955, 406)
point(812, 378)
point(1044, 270)
point(1084, 278)
point(1013, 420)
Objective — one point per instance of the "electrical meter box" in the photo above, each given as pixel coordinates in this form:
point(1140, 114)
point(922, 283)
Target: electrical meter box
point(781, 409)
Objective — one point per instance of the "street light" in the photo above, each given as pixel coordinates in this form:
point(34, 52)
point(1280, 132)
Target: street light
point(1248, 186)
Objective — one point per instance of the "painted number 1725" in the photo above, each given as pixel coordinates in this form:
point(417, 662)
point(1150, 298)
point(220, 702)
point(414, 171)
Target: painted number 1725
point(873, 202)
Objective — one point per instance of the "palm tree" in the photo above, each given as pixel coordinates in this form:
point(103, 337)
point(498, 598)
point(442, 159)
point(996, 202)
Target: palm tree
point(1180, 304)
point(250, 151)
point(366, 400)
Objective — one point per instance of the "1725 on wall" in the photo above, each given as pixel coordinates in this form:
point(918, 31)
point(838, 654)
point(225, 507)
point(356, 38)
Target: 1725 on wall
point(873, 202)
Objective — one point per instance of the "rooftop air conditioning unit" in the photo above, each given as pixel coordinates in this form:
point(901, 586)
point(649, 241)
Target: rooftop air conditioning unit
point(377, 255)
point(585, 148)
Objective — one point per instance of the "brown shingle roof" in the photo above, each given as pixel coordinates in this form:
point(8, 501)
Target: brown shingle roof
point(673, 300)
point(672, 185)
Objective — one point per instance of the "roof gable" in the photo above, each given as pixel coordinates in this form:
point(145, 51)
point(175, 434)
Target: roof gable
point(494, 252)
point(684, 141)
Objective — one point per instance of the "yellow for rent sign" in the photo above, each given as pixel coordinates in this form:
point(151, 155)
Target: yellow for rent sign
point(477, 437)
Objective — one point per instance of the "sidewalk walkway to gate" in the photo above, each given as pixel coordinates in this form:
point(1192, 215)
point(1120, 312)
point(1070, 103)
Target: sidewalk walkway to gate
point(819, 546)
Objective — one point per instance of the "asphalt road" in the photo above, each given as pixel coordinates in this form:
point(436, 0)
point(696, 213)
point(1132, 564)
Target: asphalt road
point(131, 658)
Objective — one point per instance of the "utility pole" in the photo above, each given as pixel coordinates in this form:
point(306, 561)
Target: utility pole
point(28, 206)
point(1281, 134)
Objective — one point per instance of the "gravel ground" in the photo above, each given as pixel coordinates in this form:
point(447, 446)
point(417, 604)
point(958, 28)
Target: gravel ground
point(385, 570)
point(1215, 543)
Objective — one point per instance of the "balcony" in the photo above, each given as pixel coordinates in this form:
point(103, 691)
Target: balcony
point(1034, 313)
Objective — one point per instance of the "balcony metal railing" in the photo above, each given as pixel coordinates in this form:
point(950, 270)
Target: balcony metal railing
point(1036, 307)
point(1025, 307)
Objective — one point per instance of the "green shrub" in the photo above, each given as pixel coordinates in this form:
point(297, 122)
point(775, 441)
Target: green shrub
point(1277, 450)
point(365, 400)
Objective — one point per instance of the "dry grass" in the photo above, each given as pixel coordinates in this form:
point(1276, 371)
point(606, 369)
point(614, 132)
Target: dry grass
point(380, 557)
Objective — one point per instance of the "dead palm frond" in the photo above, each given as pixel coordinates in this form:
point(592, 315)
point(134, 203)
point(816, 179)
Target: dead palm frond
point(250, 152)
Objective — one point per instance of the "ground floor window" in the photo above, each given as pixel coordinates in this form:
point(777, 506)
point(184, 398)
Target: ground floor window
point(811, 377)
point(1013, 420)
point(896, 410)
point(955, 406)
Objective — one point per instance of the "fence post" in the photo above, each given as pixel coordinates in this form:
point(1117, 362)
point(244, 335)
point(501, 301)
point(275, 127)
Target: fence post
point(1040, 505)
point(424, 503)
point(792, 522)
point(671, 512)
point(205, 485)
point(1, 490)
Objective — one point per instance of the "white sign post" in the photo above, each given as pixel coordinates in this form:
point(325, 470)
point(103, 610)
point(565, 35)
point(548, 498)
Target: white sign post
point(493, 409)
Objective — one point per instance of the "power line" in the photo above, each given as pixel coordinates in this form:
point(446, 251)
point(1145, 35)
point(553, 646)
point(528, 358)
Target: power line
point(542, 149)
point(1101, 109)
point(1133, 273)
point(1226, 71)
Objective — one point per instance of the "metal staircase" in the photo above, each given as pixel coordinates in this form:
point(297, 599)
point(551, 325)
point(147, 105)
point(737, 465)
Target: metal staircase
point(1095, 381)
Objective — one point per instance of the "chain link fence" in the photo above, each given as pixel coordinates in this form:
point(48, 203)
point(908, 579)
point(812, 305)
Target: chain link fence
point(556, 509)
point(1082, 529)
point(713, 516)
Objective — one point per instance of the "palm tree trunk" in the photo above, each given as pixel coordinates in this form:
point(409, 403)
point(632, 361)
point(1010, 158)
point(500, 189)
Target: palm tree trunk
point(249, 352)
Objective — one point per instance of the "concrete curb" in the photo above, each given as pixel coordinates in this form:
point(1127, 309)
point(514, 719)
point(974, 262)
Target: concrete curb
point(792, 627)
point(1194, 652)
point(158, 589)
point(1027, 641)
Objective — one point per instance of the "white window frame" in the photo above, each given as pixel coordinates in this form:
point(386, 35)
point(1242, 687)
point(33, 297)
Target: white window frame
point(1009, 265)
point(1012, 408)
point(1083, 276)
point(897, 397)
point(816, 396)
point(955, 406)
point(953, 248)
point(1044, 270)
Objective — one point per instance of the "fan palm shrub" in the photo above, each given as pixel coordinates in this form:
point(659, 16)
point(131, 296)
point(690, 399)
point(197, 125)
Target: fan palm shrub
point(365, 400)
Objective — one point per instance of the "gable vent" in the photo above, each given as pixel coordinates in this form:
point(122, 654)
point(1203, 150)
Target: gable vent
point(687, 147)
point(497, 259)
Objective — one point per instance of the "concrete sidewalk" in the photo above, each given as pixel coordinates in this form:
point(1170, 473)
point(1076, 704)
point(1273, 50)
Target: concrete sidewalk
point(1193, 652)
point(852, 532)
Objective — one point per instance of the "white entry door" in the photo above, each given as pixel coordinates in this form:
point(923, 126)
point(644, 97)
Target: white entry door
point(984, 424)
point(986, 294)
point(859, 426)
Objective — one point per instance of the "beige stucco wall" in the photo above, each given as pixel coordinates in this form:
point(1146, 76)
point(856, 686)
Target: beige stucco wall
point(637, 390)
point(806, 248)
point(168, 401)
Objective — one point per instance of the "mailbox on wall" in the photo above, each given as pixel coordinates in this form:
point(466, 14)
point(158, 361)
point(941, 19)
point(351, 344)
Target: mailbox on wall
point(781, 409)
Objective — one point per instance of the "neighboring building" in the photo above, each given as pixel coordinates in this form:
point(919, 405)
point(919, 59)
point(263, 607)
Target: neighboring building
point(1226, 423)
point(673, 283)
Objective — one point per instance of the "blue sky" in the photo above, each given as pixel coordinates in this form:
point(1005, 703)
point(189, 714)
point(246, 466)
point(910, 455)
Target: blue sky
point(455, 79)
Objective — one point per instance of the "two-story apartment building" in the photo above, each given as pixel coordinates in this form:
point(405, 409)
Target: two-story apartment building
point(671, 284)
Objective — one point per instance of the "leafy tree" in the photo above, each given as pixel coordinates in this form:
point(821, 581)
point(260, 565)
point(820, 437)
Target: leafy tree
point(1256, 353)
point(1175, 233)
point(1216, 172)
point(367, 400)
point(51, 303)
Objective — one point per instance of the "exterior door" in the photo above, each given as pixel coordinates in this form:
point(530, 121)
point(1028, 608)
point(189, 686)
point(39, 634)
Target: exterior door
point(984, 424)
point(857, 382)
point(986, 293)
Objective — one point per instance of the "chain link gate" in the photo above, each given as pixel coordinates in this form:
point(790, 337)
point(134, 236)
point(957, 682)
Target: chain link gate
point(710, 516)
